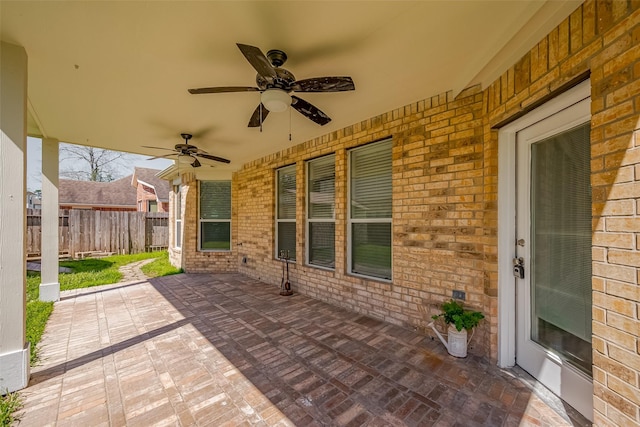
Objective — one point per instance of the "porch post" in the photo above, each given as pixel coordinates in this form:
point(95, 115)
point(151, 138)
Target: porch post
point(50, 286)
point(14, 351)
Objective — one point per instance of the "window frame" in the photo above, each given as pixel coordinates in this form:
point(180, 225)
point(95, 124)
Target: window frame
point(201, 221)
point(277, 210)
point(177, 216)
point(152, 203)
point(309, 221)
point(350, 221)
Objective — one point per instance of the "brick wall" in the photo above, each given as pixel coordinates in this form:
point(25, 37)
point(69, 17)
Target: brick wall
point(144, 194)
point(445, 170)
point(439, 208)
point(603, 39)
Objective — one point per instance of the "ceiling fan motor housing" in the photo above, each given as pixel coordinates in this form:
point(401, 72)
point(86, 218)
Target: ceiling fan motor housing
point(284, 81)
point(186, 149)
point(277, 57)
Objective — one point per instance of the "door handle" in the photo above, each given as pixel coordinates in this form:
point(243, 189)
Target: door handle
point(518, 267)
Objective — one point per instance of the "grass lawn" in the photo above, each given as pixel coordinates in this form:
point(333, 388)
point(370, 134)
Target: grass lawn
point(9, 404)
point(99, 271)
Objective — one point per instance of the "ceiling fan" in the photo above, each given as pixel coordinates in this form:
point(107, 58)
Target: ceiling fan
point(186, 149)
point(275, 85)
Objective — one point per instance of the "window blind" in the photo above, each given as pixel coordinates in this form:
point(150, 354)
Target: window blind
point(215, 215)
point(370, 189)
point(320, 212)
point(286, 211)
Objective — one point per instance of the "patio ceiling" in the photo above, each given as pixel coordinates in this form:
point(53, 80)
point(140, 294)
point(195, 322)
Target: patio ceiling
point(115, 74)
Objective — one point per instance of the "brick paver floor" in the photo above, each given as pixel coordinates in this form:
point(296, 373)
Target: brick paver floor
point(215, 350)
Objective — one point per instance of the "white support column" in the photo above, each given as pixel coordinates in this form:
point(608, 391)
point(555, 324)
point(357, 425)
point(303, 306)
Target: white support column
point(14, 351)
point(50, 286)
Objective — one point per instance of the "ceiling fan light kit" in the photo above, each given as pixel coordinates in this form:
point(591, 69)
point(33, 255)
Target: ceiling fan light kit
point(276, 84)
point(275, 100)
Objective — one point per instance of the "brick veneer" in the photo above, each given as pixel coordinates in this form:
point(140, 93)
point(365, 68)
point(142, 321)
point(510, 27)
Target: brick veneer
point(439, 230)
point(603, 39)
point(445, 170)
point(145, 194)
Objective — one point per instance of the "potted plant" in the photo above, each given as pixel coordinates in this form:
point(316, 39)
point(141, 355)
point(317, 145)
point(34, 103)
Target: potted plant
point(460, 321)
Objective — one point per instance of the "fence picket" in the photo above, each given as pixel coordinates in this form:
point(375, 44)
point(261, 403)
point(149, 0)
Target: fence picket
point(107, 231)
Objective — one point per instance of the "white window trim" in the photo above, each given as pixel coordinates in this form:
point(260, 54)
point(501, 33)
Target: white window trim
point(351, 221)
point(200, 221)
point(177, 213)
point(278, 220)
point(507, 215)
point(308, 220)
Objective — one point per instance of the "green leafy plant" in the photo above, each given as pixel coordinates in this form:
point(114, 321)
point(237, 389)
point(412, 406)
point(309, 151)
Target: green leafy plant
point(454, 314)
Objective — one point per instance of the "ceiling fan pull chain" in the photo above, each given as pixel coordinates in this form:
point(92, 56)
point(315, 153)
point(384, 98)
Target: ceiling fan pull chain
point(260, 117)
point(289, 124)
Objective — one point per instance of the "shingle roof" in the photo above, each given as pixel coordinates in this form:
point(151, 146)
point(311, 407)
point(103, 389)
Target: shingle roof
point(114, 193)
point(148, 176)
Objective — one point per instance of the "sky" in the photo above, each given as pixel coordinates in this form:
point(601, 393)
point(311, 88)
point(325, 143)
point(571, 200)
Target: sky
point(34, 164)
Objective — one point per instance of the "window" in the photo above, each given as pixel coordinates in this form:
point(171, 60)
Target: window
point(152, 206)
point(370, 206)
point(286, 212)
point(215, 215)
point(321, 189)
point(178, 216)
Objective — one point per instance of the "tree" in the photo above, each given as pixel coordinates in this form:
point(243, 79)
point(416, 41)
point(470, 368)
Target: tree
point(90, 163)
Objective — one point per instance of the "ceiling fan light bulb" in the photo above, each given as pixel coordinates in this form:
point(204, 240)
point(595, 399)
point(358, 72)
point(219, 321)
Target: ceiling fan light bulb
point(275, 100)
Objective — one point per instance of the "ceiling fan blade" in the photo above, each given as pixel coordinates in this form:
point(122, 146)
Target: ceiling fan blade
point(166, 156)
point(310, 111)
point(223, 89)
point(324, 84)
point(214, 158)
point(255, 121)
point(157, 148)
point(257, 60)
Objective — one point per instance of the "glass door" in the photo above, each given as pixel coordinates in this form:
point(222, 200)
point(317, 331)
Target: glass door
point(554, 252)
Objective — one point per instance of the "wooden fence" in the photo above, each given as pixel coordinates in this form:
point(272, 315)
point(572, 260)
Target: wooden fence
point(83, 230)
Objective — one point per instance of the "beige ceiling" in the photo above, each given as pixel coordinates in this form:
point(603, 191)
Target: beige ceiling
point(115, 74)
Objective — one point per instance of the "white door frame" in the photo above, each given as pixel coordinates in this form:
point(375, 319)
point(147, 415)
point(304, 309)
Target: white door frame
point(507, 216)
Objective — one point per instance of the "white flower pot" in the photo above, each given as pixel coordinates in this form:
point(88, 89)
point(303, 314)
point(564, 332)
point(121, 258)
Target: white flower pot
point(457, 342)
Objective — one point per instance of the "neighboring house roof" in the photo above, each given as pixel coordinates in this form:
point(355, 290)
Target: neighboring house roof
point(149, 178)
point(118, 193)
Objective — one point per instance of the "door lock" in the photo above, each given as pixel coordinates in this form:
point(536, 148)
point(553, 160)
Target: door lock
point(518, 267)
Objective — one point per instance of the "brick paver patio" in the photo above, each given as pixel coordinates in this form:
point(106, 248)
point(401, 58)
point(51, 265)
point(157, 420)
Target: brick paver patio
point(214, 350)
